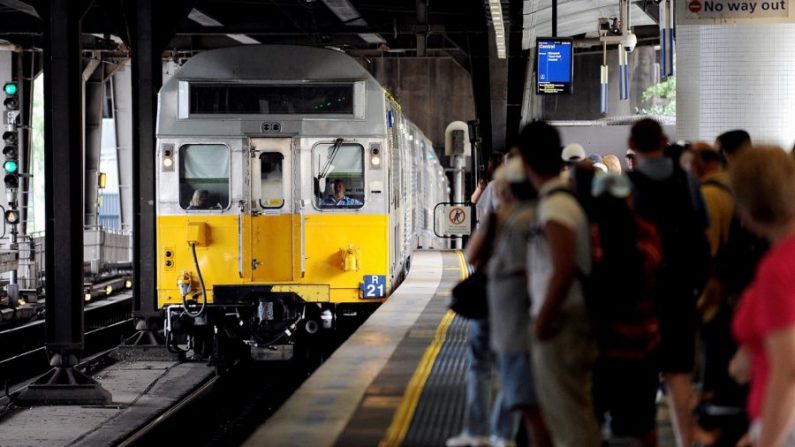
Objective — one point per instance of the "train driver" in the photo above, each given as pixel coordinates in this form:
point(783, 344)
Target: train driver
point(340, 198)
point(200, 200)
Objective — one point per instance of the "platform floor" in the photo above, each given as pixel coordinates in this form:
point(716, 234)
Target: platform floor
point(373, 384)
point(141, 390)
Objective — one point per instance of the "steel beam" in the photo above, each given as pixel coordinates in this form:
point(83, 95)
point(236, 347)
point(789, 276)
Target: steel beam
point(122, 111)
point(498, 92)
point(422, 33)
point(94, 92)
point(63, 183)
point(146, 79)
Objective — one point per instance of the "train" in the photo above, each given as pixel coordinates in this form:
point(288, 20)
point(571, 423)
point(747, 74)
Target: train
point(291, 192)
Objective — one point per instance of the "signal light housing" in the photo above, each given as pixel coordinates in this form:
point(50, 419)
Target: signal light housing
point(10, 137)
point(11, 181)
point(10, 88)
point(12, 217)
point(11, 166)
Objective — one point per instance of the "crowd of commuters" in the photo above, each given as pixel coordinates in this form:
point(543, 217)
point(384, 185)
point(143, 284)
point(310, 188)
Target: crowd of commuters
point(607, 289)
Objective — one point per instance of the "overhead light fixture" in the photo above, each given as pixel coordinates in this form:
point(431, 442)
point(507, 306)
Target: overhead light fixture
point(345, 11)
point(349, 16)
point(495, 7)
point(205, 20)
point(242, 38)
point(372, 38)
point(202, 18)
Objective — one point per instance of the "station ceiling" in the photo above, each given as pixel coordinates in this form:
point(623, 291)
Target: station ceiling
point(460, 29)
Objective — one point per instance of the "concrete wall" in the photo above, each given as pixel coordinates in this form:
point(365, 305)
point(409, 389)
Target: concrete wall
point(432, 91)
point(736, 76)
point(583, 103)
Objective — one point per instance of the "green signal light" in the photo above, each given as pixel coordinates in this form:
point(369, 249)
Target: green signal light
point(10, 166)
point(10, 88)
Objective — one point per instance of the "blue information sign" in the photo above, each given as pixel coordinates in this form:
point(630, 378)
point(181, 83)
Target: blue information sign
point(554, 66)
point(374, 286)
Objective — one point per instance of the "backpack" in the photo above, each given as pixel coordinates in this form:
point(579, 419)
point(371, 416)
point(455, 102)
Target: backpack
point(625, 255)
point(670, 206)
point(737, 257)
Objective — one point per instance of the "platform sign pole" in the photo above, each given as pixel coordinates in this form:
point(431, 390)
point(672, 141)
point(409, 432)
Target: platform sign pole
point(458, 146)
point(458, 191)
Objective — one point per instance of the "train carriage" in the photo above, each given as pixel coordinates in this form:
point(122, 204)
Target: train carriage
point(291, 190)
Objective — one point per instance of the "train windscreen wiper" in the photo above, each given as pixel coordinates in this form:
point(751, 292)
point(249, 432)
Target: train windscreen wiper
point(325, 171)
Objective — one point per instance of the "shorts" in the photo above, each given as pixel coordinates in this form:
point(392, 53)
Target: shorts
point(516, 380)
point(627, 389)
point(677, 317)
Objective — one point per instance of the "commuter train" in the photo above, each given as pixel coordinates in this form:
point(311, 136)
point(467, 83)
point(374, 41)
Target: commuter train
point(291, 192)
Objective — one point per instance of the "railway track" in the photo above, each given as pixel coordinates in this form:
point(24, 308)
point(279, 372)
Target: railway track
point(22, 351)
point(227, 409)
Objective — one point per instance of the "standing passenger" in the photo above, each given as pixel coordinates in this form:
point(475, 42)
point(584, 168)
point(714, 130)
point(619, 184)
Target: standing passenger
point(478, 425)
point(763, 180)
point(483, 198)
point(563, 349)
point(664, 195)
point(509, 315)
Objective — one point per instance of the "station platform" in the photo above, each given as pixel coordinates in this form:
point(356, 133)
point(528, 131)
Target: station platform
point(140, 390)
point(398, 380)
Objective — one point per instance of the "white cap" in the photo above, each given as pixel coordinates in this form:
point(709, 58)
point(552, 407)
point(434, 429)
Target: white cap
point(573, 152)
point(617, 185)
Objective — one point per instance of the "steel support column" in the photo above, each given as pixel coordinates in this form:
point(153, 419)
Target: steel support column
point(94, 93)
point(498, 91)
point(63, 172)
point(122, 103)
point(146, 79)
point(422, 28)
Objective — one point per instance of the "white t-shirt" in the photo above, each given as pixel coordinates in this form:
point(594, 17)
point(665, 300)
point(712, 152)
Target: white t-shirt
point(564, 209)
point(487, 203)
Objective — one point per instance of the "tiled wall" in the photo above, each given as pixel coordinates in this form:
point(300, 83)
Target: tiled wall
point(736, 76)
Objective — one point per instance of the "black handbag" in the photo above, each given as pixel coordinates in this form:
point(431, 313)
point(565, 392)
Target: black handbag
point(469, 297)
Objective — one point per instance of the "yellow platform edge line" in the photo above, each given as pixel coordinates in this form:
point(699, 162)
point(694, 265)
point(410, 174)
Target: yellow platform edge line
point(397, 430)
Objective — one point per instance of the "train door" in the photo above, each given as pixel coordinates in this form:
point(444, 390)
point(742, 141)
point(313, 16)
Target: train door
point(271, 183)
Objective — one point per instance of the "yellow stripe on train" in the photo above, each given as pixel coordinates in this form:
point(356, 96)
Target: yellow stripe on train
point(339, 249)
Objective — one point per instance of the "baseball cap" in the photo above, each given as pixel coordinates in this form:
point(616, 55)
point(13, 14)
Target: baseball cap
point(573, 152)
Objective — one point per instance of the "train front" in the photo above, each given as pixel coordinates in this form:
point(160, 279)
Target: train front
point(272, 213)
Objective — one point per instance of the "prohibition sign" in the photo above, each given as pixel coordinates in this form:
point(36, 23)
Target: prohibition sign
point(457, 216)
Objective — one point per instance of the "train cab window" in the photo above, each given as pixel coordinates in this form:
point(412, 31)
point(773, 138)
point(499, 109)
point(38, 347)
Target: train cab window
point(204, 176)
point(338, 170)
point(272, 187)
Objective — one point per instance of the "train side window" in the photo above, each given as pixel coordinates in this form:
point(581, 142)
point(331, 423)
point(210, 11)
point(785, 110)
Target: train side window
point(203, 176)
point(338, 170)
point(272, 187)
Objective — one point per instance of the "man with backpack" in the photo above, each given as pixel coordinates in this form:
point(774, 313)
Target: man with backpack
point(563, 349)
point(668, 197)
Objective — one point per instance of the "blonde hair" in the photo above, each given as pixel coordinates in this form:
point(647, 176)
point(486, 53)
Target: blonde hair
point(763, 180)
point(613, 164)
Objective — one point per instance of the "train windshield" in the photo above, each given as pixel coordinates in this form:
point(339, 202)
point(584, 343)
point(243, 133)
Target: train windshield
point(243, 99)
point(339, 174)
point(204, 176)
